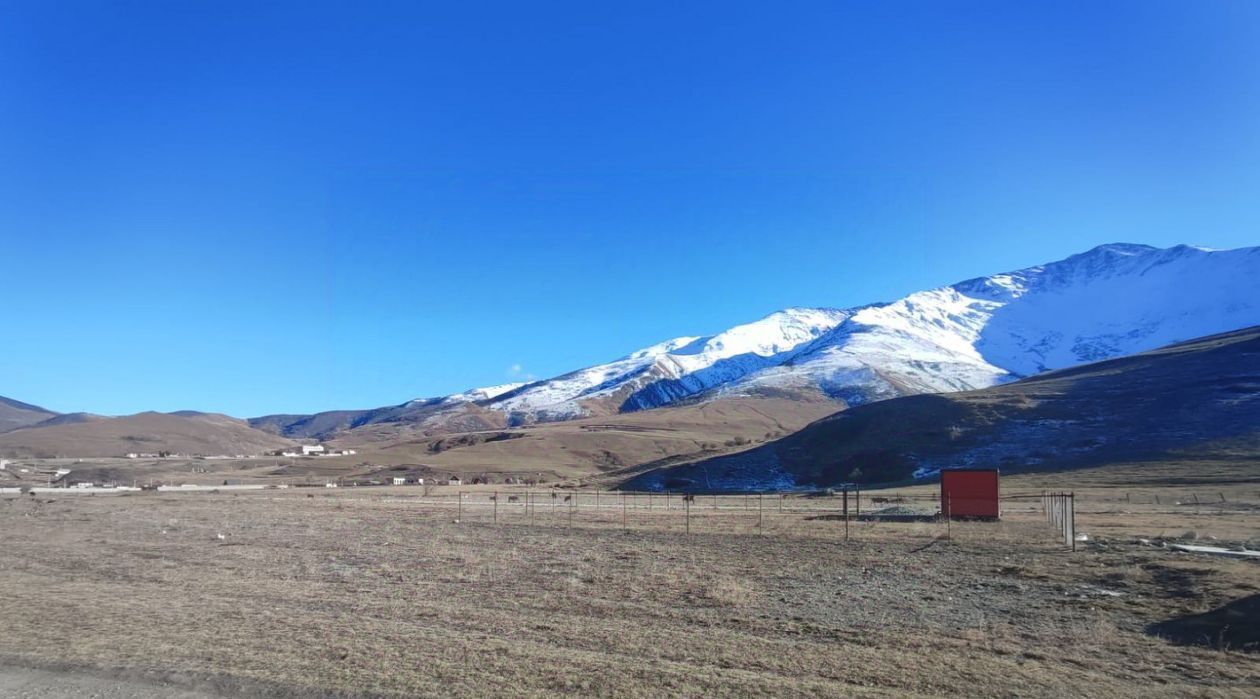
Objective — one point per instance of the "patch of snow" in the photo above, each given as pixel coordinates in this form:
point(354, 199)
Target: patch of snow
point(924, 472)
point(1215, 550)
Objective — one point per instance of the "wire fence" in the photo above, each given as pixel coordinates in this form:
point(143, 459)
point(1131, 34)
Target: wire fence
point(841, 514)
point(1060, 512)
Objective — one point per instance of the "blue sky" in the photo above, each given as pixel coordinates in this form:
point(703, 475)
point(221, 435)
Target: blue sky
point(256, 207)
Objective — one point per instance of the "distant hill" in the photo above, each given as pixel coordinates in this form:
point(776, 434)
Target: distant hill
point(69, 419)
point(15, 414)
point(188, 433)
point(591, 448)
point(1195, 399)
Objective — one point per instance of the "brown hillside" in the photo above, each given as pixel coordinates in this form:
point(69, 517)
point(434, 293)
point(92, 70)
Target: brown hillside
point(592, 447)
point(205, 434)
point(16, 414)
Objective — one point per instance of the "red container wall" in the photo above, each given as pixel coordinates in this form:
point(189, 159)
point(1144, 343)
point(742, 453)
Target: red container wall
point(969, 494)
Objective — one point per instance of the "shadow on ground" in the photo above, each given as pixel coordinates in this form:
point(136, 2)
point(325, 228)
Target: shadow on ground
point(1235, 626)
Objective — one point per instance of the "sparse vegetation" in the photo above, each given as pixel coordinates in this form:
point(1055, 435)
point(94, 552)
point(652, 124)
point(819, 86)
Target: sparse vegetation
point(351, 591)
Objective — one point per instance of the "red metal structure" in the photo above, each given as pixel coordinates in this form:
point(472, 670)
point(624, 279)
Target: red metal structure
point(970, 493)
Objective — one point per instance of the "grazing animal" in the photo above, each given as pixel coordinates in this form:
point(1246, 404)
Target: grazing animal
point(568, 498)
point(689, 498)
point(494, 497)
point(513, 498)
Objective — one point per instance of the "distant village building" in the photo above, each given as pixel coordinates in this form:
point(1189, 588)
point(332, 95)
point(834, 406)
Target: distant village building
point(304, 450)
point(400, 481)
point(454, 481)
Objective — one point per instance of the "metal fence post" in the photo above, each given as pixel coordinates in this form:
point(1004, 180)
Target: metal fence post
point(846, 514)
point(761, 513)
point(1072, 518)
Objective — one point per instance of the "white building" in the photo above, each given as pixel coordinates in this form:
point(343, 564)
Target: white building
point(310, 449)
point(400, 481)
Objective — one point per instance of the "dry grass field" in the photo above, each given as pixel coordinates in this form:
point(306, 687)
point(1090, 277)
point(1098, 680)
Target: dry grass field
point(379, 592)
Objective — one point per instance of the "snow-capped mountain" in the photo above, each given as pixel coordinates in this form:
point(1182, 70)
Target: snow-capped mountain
point(1113, 300)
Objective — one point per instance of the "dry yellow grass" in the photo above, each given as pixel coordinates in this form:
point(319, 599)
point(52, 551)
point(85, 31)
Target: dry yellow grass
point(369, 593)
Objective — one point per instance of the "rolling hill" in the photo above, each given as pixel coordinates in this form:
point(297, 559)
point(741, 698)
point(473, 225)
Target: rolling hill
point(189, 433)
point(594, 447)
point(16, 414)
point(1196, 399)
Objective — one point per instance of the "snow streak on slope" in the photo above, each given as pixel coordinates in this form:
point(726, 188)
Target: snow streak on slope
point(484, 393)
point(685, 366)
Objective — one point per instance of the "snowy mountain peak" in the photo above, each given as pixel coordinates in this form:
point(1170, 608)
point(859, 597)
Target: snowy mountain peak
point(484, 393)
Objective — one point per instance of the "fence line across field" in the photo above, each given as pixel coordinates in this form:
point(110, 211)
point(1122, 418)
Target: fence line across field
point(626, 507)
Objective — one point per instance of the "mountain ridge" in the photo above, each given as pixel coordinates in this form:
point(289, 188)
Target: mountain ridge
point(1114, 299)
